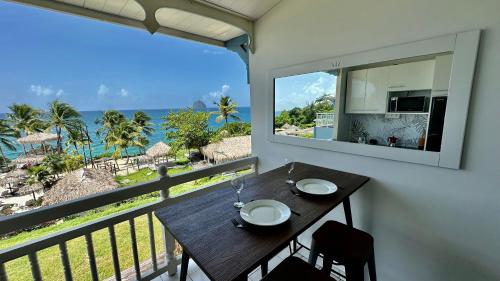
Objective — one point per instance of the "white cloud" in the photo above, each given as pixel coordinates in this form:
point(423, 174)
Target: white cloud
point(43, 91)
point(295, 93)
point(102, 90)
point(215, 95)
point(123, 93)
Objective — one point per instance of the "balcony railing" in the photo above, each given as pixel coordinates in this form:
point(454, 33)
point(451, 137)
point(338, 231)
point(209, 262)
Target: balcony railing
point(164, 182)
point(325, 119)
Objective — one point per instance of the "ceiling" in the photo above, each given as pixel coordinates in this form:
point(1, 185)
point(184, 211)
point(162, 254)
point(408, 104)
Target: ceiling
point(209, 21)
point(252, 9)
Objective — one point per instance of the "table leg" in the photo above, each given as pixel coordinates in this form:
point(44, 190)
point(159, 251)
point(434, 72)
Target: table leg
point(184, 266)
point(264, 268)
point(242, 278)
point(347, 211)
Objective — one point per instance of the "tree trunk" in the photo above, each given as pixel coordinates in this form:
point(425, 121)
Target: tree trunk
point(126, 153)
point(3, 155)
point(59, 145)
point(88, 143)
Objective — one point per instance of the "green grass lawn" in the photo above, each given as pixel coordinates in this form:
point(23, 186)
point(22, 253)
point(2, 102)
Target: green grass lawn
point(49, 259)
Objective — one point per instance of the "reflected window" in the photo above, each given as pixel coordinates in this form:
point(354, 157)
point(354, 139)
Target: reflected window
point(304, 105)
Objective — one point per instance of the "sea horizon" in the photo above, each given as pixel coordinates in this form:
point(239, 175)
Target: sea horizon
point(156, 115)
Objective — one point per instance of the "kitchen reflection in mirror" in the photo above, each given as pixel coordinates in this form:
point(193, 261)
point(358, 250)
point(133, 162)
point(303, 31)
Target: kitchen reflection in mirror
point(304, 105)
point(398, 104)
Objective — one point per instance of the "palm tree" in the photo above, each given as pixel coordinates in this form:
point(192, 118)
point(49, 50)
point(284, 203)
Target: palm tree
point(62, 116)
point(76, 138)
point(7, 134)
point(109, 122)
point(124, 136)
point(143, 123)
point(25, 119)
point(227, 109)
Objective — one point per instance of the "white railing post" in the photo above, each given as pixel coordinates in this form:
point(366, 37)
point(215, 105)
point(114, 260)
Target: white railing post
point(168, 238)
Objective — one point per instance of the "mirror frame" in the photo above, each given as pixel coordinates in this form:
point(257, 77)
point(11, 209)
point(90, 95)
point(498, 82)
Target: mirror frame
point(464, 46)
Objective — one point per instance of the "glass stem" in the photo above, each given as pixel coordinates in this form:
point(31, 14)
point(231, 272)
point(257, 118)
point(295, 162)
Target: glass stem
point(238, 195)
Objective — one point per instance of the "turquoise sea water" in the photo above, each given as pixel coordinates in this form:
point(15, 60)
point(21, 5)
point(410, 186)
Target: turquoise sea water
point(156, 115)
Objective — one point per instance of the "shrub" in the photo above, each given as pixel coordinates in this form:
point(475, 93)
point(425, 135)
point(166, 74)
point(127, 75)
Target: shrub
point(235, 129)
point(73, 162)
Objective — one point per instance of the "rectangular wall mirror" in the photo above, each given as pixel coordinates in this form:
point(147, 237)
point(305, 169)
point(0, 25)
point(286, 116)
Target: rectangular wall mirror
point(400, 102)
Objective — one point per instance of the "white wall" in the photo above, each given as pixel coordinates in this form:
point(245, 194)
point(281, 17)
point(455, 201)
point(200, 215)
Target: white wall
point(429, 223)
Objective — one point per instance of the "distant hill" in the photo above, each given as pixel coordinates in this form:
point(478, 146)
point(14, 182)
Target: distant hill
point(199, 106)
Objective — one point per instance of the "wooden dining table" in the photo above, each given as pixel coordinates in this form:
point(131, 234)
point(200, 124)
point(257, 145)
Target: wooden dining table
point(203, 225)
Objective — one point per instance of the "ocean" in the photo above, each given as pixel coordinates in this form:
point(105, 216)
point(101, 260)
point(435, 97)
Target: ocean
point(156, 115)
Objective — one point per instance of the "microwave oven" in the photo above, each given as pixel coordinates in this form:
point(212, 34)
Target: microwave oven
point(408, 104)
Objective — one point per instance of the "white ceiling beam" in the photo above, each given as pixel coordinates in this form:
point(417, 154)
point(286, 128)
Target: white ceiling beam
point(103, 16)
point(198, 8)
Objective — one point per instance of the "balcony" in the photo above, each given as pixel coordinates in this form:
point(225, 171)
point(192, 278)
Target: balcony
point(163, 254)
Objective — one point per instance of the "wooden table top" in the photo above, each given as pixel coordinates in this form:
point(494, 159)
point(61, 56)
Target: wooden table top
point(202, 225)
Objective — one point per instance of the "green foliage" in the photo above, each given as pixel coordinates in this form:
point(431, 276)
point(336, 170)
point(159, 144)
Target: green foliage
point(304, 117)
point(236, 129)
point(187, 128)
point(62, 116)
point(73, 162)
point(25, 119)
point(226, 109)
point(40, 174)
point(54, 163)
point(7, 135)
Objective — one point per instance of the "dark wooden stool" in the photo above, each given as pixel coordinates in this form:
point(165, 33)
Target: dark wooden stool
point(293, 268)
point(345, 245)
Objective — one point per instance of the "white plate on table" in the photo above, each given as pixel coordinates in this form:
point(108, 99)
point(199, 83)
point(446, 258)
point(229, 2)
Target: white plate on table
point(316, 186)
point(265, 212)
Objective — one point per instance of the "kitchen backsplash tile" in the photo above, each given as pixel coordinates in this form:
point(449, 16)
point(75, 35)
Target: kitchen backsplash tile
point(408, 128)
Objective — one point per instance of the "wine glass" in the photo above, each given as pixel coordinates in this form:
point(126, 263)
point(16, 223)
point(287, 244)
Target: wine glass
point(238, 184)
point(291, 166)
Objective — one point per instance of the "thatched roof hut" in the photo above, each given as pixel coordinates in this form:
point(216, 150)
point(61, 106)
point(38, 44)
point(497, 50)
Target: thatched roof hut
point(160, 149)
point(13, 177)
point(228, 149)
point(29, 189)
point(78, 184)
point(32, 159)
point(37, 138)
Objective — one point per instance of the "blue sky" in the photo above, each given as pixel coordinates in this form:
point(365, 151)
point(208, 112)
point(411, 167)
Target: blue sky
point(299, 90)
point(94, 65)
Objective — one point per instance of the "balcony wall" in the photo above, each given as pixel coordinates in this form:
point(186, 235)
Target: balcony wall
point(429, 223)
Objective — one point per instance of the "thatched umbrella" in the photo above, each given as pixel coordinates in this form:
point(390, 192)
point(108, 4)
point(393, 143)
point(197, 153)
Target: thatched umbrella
point(37, 138)
point(13, 177)
point(30, 189)
point(33, 160)
point(160, 149)
point(78, 184)
point(228, 149)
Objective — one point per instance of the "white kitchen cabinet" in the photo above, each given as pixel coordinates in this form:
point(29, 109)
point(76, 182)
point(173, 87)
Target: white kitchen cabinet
point(356, 90)
point(376, 90)
point(442, 73)
point(411, 76)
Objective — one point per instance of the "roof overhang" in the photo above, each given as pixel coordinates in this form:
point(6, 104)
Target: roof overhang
point(203, 21)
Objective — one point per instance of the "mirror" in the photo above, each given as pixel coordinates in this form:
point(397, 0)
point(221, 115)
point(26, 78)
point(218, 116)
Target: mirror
point(399, 104)
point(304, 105)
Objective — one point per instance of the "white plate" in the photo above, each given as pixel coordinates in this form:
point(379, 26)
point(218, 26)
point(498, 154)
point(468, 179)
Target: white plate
point(316, 186)
point(265, 212)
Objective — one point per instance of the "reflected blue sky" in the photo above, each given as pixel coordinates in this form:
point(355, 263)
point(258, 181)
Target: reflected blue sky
point(299, 90)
